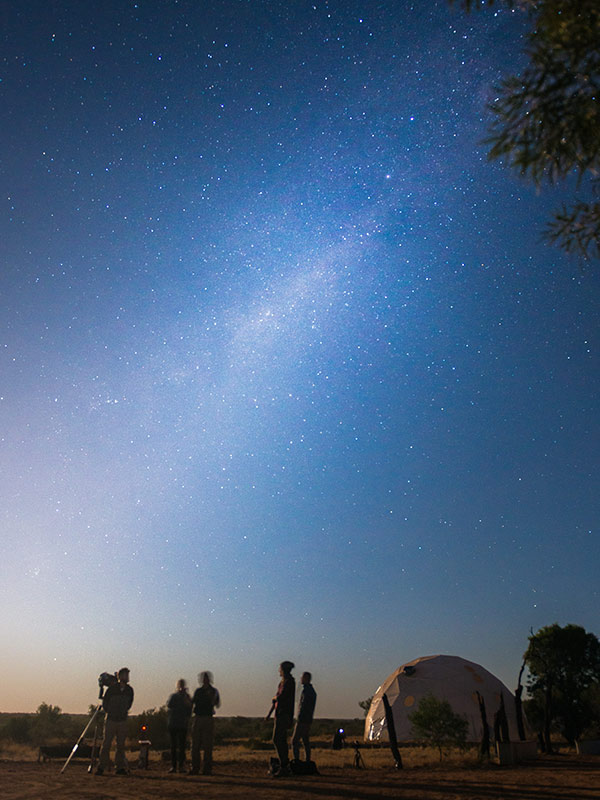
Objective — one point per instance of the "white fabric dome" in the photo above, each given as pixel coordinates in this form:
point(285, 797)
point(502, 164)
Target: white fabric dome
point(447, 678)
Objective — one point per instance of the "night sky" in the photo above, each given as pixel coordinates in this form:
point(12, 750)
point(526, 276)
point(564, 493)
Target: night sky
point(286, 370)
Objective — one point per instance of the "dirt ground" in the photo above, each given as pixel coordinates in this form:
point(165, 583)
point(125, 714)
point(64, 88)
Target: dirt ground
point(565, 777)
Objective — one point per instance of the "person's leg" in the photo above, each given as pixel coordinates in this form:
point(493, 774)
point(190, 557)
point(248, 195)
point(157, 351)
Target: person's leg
point(120, 758)
point(207, 744)
point(296, 742)
point(196, 735)
point(306, 742)
point(109, 735)
point(280, 731)
point(181, 742)
point(173, 738)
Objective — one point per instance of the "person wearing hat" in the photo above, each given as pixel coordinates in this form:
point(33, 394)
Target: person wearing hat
point(283, 706)
point(116, 703)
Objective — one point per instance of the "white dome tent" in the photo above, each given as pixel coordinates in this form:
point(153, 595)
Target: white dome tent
point(447, 678)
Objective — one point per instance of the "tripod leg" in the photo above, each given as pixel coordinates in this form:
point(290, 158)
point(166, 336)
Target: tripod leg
point(93, 757)
point(78, 742)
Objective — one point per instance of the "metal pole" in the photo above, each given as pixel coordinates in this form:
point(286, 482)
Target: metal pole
point(78, 742)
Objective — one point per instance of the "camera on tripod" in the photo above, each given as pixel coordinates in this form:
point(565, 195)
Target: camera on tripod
point(106, 679)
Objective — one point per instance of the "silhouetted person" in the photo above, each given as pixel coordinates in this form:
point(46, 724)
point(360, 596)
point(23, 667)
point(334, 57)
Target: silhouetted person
point(306, 710)
point(283, 706)
point(116, 703)
point(206, 698)
point(179, 711)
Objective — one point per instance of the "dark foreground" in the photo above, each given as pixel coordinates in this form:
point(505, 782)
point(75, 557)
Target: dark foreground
point(568, 777)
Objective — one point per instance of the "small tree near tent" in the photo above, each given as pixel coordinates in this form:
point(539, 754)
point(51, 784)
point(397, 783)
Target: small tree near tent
point(365, 704)
point(435, 723)
point(564, 667)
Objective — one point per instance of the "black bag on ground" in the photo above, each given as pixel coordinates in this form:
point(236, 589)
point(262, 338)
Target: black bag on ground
point(303, 767)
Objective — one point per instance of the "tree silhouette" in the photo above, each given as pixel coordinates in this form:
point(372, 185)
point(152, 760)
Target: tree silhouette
point(365, 704)
point(564, 665)
point(435, 723)
point(48, 723)
point(547, 118)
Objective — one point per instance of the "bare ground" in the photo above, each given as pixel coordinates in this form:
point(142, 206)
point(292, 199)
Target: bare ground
point(565, 777)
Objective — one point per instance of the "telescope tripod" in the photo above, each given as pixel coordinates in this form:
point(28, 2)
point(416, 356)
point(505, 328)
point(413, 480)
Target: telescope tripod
point(358, 762)
point(93, 718)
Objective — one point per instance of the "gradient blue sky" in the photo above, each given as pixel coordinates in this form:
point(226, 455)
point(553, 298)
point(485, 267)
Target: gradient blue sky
point(286, 371)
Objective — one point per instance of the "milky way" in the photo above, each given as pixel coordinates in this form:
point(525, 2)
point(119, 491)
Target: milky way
point(286, 369)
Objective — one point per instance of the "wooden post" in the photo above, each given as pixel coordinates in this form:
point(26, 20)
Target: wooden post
point(389, 718)
point(519, 705)
point(484, 746)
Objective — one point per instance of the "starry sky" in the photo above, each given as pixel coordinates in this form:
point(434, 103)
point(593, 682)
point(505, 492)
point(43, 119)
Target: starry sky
point(286, 370)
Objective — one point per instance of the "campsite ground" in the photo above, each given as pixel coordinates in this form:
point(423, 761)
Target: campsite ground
point(240, 774)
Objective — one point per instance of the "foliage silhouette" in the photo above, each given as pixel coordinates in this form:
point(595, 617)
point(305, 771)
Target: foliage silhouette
point(435, 723)
point(564, 672)
point(547, 118)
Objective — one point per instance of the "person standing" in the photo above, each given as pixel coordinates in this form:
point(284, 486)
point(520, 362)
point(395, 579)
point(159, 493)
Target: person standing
point(306, 710)
point(116, 703)
point(205, 700)
point(283, 705)
point(179, 711)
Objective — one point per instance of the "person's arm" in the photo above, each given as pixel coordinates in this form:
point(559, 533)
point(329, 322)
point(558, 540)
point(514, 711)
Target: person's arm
point(313, 702)
point(106, 699)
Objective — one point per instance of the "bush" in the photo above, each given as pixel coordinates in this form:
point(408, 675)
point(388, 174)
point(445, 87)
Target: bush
point(17, 729)
point(155, 722)
point(435, 723)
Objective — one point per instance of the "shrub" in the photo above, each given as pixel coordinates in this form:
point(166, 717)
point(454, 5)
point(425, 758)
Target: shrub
point(435, 723)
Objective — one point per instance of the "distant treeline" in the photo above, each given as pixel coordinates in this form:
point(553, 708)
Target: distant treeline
point(49, 725)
